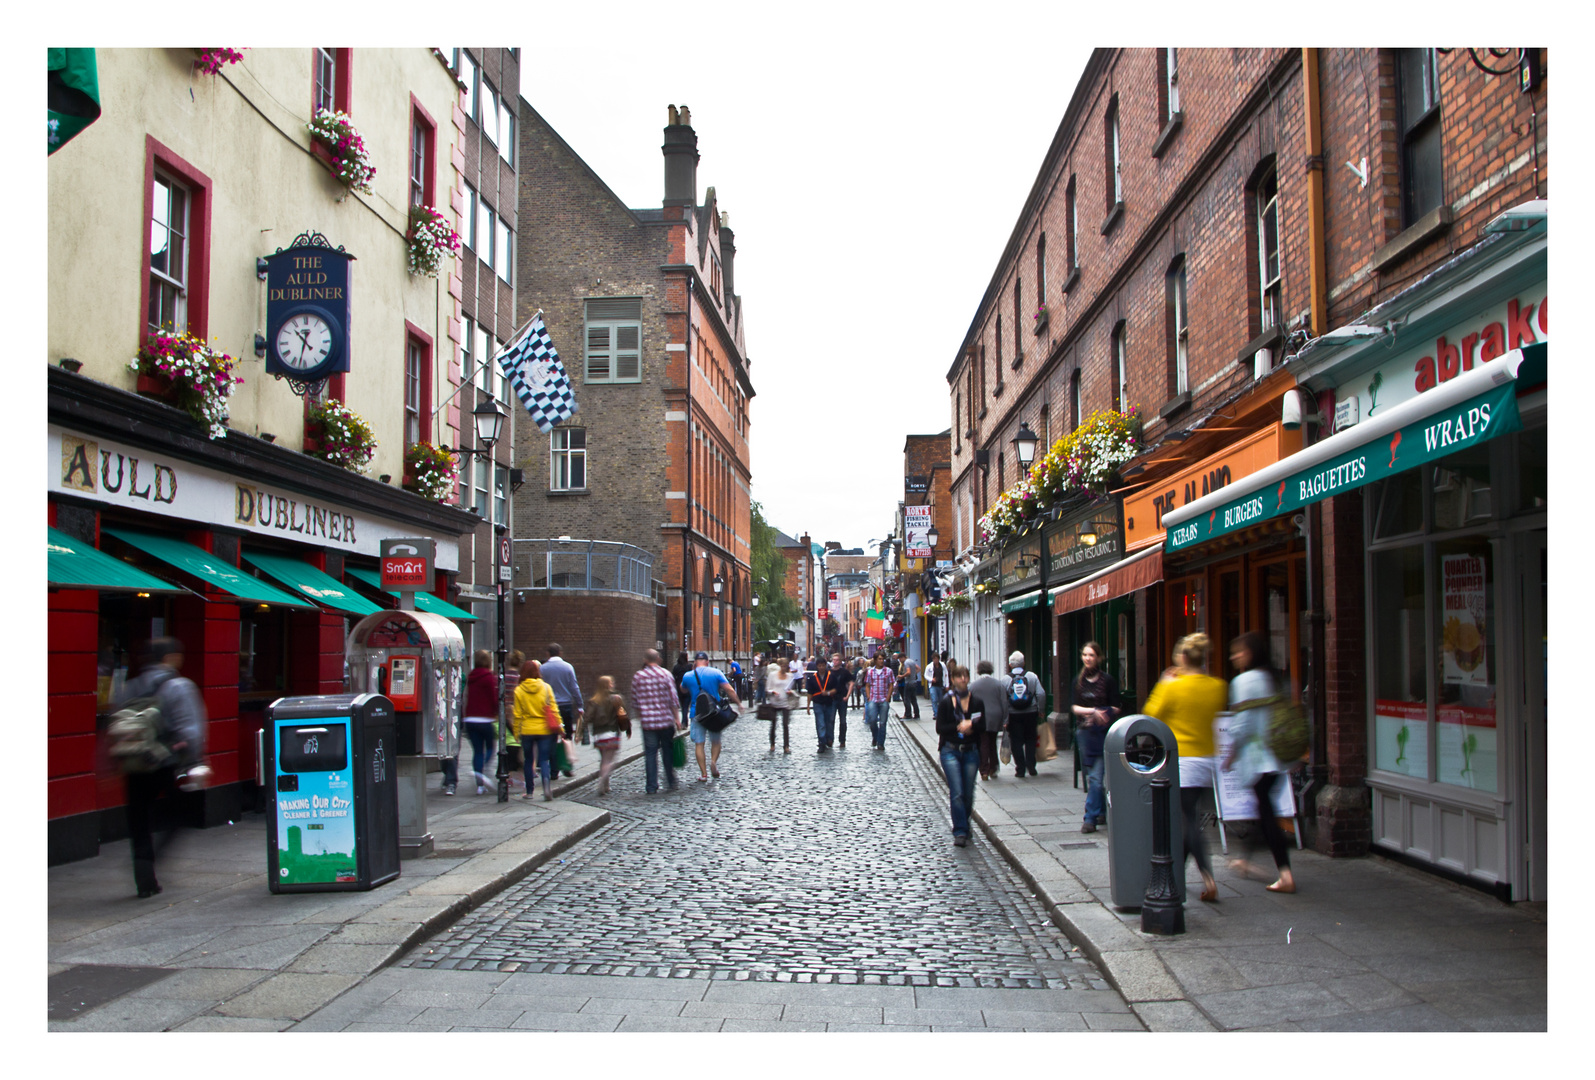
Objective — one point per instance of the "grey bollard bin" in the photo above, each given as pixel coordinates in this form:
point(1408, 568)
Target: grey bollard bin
point(1137, 750)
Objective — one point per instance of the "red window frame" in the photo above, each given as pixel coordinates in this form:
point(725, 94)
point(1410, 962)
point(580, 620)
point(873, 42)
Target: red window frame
point(157, 154)
point(419, 117)
point(415, 336)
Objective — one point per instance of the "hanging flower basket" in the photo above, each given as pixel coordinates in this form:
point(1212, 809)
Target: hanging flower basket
point(211, 61)
point(1086, 461)
point(1041, 320)
point(336, 133)
point(337, 434)
point(187, 372)
point(429, 471)
point(431, 238)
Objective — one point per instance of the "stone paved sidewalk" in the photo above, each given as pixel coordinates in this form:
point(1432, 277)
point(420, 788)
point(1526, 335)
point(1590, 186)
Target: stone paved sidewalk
point(1363, 945)
point(217, 951)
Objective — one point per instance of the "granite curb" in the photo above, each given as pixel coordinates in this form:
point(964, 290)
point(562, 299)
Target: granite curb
point(1126, 959)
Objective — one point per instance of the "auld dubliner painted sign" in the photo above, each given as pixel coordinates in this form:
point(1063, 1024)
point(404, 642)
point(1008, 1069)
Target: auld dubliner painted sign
point(1466, 424)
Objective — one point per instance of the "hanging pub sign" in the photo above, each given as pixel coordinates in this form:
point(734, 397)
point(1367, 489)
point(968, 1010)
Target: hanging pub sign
point(1021, 565)
point(307, 310)
point(1085, 542)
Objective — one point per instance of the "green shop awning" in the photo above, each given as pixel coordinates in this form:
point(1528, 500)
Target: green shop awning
point(1470, 409)
point(202, 564)
point(423, 601)
point(319, 586)
point(76, 565)
point(1022, 601)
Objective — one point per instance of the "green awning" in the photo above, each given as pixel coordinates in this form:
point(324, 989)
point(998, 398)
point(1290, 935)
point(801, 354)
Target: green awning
point(423, 601)
point(76, 565)
point(1470, 409)
point(303, 578)
point(202, 564)
point(1022, 601)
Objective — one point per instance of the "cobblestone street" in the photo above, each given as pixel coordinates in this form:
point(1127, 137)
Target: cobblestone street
point(801, 867)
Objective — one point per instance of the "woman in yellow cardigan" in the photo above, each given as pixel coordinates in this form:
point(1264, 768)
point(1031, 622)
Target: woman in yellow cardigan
point(1188, 700)
point(536, 725)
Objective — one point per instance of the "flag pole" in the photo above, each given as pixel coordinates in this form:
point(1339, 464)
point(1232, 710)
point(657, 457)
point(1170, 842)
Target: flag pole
point(469, 380)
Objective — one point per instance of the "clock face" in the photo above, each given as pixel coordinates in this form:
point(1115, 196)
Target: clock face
point(304, 341)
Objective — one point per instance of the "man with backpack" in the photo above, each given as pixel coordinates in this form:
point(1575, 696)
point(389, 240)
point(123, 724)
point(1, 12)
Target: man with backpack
point(706, 687)
point(1026, 705)
point(157, 736)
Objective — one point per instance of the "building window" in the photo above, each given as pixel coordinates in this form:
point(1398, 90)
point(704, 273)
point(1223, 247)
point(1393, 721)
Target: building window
point(485, 225)
point(422, 143)
point(614, 340)
point(501, 487)
point(1268, 249)
point(1071, 253)
point(1046, 429)
point(468, 354)
point(998, 337)
point(1179, 327)
point(568, 459)
point(1110, 135)
point(1018, 326)
point(504, 252)
point(1168, 83)
point(478, 503)
point(1002, 479)
point(1041, 270)
point(168, 256)
point(506, 132)
point(1419, 117)
point(1076, 411)
point(414, 375)
point(958, 411)
point(468, 76)
point(1121, 370)
point(468, 218)
point(325, 90)
point(489, 118)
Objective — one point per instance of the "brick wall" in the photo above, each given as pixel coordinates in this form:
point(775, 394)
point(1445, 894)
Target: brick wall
point(599, 633)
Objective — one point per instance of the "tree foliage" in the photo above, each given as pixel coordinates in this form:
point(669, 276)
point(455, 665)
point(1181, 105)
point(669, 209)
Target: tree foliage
point(777, 613)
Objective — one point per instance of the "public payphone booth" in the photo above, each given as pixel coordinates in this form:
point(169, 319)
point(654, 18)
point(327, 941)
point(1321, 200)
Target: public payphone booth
point(417, 661)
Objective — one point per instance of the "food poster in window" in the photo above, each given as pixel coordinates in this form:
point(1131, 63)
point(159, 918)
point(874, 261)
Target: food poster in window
point(315, 785)
point(1465, 743)
point(1462, 621)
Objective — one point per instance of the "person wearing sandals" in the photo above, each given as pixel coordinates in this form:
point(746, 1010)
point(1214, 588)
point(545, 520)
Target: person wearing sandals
point(1249, 757)
point(959, 723)
point(1095, 706)
point(537, 726)
point(604, 721)
point(1188, 700)
point(779, 696)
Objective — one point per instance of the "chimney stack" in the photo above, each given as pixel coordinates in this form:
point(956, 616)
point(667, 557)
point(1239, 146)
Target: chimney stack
point(681, 159)
point(728, 258)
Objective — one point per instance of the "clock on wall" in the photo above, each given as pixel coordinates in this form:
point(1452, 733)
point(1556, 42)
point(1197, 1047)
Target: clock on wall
point(307, 312)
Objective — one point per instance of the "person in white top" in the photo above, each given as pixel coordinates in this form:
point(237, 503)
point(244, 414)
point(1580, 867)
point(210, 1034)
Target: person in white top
point(779, 695)
point(1249, 757)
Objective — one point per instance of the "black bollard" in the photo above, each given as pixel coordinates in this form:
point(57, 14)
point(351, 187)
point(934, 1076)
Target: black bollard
point(1161, 911)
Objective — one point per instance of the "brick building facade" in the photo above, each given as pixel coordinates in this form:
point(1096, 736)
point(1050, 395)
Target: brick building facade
point(642, 305)
point(1209, 240)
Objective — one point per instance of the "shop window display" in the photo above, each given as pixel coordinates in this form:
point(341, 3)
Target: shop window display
point(1401, 693)
point(1465, 736)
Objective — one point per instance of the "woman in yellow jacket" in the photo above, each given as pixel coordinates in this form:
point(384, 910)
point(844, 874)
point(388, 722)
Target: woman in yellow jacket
point(1188, 700)
point(536, 725)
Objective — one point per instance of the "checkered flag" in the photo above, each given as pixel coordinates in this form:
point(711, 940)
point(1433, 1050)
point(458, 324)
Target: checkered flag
point(538, 375)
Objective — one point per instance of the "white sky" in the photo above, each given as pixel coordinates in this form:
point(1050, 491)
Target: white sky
point(872, 168)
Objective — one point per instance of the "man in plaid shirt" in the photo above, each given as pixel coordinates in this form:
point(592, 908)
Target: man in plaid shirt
point(878, 683)
point(653, 697)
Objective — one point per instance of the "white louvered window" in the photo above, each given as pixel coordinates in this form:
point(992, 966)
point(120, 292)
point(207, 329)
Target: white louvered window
point(614, 340)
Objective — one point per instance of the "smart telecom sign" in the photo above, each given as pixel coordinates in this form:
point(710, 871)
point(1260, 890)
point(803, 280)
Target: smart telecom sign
point(916, 532)
point(1466, 424)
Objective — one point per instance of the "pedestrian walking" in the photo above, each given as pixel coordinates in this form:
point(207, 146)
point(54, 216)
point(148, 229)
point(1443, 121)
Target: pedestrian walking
point(878, 684)
point(858, 667)
point(936, 680)
point(959, 722)
point(561, 678)
point(678, 672)
point(908, 689)
point(654, 697)
point(604, 722)
point(827, 691)
point(537, 726)
point(181, 730)
point(1027, 704)
point(779, 695)
point(1188, 699)
point(1095, 705)
point(1250, 695)
point(512, 743)
point(481, 716)
point(992, 694)
point(704, 679)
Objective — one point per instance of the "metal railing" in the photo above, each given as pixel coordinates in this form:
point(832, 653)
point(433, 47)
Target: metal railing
point(583, 565)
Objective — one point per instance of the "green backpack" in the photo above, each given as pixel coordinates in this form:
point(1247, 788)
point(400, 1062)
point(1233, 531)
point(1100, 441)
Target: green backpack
point(1287, 736)
point(135, 737)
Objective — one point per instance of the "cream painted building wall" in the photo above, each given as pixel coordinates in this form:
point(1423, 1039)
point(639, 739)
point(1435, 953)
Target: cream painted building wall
point(244, 129)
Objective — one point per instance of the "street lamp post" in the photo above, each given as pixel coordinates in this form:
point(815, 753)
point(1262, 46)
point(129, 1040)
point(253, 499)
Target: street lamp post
point(488, 420)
